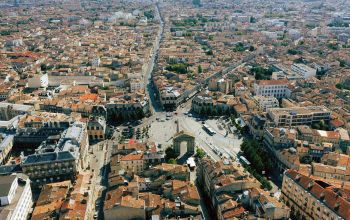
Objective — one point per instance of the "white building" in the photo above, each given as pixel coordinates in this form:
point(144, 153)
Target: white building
point(294, 116)
point(136, 84)
point(275, 88)
point(305, 71)
point(265, 102)
point(38, 81)
point(15, 197)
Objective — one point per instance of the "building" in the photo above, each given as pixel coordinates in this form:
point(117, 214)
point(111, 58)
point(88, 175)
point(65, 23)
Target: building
point(295, 116)
point(58, 159)
point(223, 181)
point(280, 143)
point(265, 102)
point(202, 104)
point(5, 148)
point(309, 198)
point(305, 71)
point(136, 85)
point(267, 206)
point(9, 110)
point(333, 166)
point(50, 201)
point(38, 81)
point(320, 136)
point(132, 163)
point(96, 128)
point(276, 88)
point(15, 197)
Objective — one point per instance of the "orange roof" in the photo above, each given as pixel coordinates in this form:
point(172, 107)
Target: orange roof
point(132, 157)
point(89, 96)
point(236, 212)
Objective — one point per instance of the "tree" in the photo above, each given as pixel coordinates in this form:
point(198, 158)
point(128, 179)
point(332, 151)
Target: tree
point(200, 69)
point(170, 154)
point(200, 153)
point(209, 52)
point(172, 161)
point(196, 2)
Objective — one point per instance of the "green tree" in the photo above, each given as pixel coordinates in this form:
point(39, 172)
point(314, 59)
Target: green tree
point(200, 69)
point(172, 161)
point(200, 153)
point(196, 2)
point(169, 153)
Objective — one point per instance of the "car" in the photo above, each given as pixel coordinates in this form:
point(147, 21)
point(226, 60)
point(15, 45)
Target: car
point(185, 113)
point(96, 215)
point(189, 115)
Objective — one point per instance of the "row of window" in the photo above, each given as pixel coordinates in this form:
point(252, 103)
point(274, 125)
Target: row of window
point(96, 136)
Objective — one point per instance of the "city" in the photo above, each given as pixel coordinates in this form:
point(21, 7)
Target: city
point(174, 109)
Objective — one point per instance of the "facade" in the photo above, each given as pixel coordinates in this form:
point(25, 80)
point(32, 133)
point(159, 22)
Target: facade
point(305, 71)
point(132, 163)
point(265, 102)
point(136, 85)
point(96, 128)
point(295, 116)
point(16, 197)
point(202, 103)
point(314, 199)
point(170, 98)
point(5, 148)
point(127, 109)
point(9, 110)
point(276, 88)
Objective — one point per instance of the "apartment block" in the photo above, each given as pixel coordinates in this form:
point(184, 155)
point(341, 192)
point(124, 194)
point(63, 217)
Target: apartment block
point(309, 198)
point(58, 159)
point(305, 71)
point(275, 88)
point(15, 197)
point(295, 116)
point(265, 102)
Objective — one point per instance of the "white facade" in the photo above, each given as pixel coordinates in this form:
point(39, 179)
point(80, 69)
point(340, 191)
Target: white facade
point(265, 103)
point(305, 71)
point(136, 85)
point(17, 204)
point(275, 88)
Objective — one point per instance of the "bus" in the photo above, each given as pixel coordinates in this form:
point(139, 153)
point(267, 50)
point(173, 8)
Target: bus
point(208, 130)
point(244, 160)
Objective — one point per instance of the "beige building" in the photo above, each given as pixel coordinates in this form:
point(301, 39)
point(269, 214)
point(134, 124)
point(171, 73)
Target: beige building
point(96, 129)
point(298, 115)
point(314, 199)
point(132, 163)
point(265, 102)
point(320, 136)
